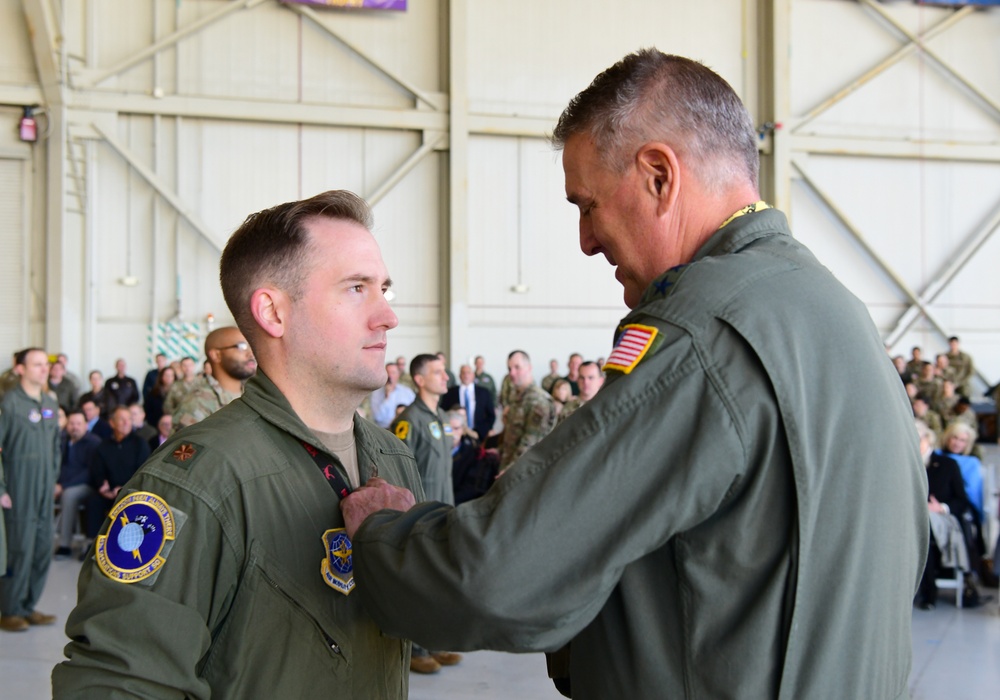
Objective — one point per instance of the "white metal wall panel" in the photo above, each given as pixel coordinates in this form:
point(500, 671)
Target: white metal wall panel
point(916, 213)
point(13, 270)
point(524, 59)
point(532, 56)
point(17, 65)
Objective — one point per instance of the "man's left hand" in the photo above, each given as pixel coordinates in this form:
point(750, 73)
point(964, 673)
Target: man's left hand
point(375, 495)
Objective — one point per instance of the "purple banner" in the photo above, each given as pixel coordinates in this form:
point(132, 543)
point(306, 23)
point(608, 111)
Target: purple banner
point(355, 4)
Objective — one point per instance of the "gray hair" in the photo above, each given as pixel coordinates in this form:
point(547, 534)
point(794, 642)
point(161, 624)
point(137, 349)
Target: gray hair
point(650, 95)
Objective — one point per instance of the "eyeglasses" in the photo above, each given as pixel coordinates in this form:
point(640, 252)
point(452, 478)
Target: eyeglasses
point(237, 346)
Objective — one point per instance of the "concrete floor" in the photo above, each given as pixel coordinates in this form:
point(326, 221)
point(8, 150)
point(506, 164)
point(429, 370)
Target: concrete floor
point(955, 655)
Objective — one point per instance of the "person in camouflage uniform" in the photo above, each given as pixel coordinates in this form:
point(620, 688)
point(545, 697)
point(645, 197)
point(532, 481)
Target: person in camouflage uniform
point(961, 366)
point(590, 378)
point(232, 364)
point(927, 383)
point(187, 379)
point(531, 414)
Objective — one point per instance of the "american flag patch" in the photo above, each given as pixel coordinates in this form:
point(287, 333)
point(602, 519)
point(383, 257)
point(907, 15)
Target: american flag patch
point(633, 344)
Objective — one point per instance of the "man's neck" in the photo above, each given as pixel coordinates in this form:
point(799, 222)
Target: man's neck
point(431, 400)
point(230, 384)
point(31, 389)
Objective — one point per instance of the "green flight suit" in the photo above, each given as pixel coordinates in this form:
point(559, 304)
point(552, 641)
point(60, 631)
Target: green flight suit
point(428, 435)
point(240, 608)
point(727, 520)
point(29, 466)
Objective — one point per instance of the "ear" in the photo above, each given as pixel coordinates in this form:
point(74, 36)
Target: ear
point(660, 169)
point(270, 310)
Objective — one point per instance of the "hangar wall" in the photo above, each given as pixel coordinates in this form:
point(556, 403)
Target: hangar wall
point(165, 123)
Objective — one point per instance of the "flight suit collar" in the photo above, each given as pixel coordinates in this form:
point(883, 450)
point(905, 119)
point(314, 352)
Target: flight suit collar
point(261, 395)
point(731, 238)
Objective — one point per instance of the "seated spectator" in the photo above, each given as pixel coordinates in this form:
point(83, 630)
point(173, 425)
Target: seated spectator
point(95, 423)
point(64, 389)
point(956, 442)
point(946, 402)
point(561, 393)
point(73, 487)
point(164, 427)
point(96, 393)
point(158, 394)
point(899, 362)
point(115, 460)
point(921, 410)
point(139, 425)
point(473, 468)
point(928, 383)
point(951, 519)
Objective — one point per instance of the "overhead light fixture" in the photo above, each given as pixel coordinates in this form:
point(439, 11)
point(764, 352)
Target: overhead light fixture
point(520, 289)
point(129, 281)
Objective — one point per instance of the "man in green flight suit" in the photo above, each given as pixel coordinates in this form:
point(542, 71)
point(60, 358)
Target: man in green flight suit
point(425, 429)
point(29, 465)
point(724, 518)
point(224, 570)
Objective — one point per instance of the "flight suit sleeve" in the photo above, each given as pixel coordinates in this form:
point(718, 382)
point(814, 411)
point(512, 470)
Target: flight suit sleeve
point(147, 639)
point(532, 562)
point(4, 428)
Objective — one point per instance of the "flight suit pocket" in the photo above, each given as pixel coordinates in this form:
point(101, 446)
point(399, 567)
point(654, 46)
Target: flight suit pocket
point(276, 637)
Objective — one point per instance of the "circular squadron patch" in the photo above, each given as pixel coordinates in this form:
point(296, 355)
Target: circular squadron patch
point(338, 566)
point(133, 549)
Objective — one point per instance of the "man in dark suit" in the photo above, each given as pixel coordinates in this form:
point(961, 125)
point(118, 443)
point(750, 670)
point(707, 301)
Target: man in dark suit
point(476, 401)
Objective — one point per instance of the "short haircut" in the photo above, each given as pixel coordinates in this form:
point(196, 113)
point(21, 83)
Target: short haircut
point(518, 352)
point(653, 96)
point(272, 247)
point(418, 363)
point(21, 356)
point(76, 412)
point(954, 337)
point(591, 363)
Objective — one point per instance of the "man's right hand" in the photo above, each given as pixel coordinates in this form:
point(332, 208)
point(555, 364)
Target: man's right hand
point(5, 502)
point(374, 496)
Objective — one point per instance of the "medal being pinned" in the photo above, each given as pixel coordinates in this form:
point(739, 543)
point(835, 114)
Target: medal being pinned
point(338, 566)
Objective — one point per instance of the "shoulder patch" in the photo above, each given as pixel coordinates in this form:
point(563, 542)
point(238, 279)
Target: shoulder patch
point(402, 429)
point(337, 566)
point(140, 535)
point(634, 343)
point(185, 454)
